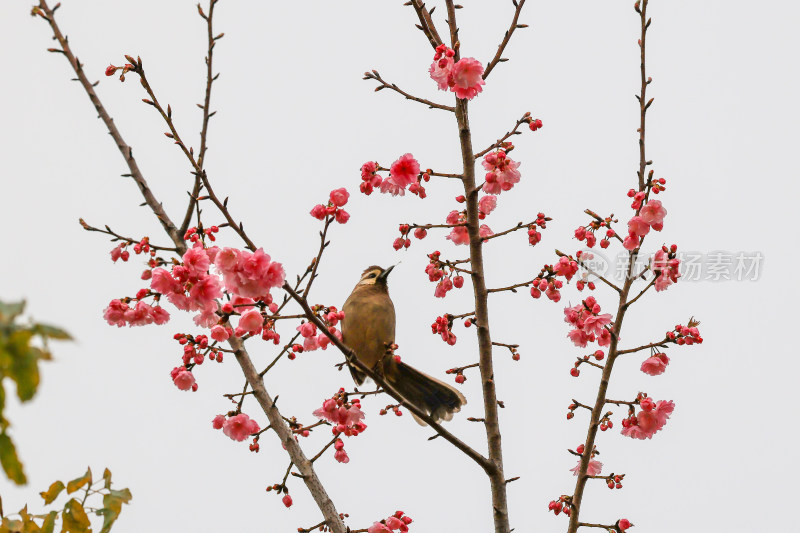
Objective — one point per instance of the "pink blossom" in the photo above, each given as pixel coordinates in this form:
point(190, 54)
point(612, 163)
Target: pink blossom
point(310, 344)
point(240, 427)
point(218, 422)
point(653, 213)
point(160, 315)
point(487, 204)
point(638, 227)
point(595, 324)
point(196, 260)
point(594, 469)
point(114, 314)
point(319, 212)
point(655, 365)
point(249, 274)
point(286, 500)
point(339, 197)
point(307, 329)
point(163, 282)
point(485, 231)
point(459, 235)
point(205, 291)
point(631, 242)
point(667, 270)
point(377, 527)
point(116, 252)
point(441, 70)
point(368, 169)
point(467, 78)
point(444, 285)
point(624, 524)
point(341, 456)
point(647, 423)
point(604, 339)
point(404, 171)
point(566, 267)
point(580, 338)
point(141, 315)
point(183, 379)
point(502, 172)
point(220, 333)
point(349, 417)
point(390, 185)
point(342, 216)
point(207, 317)
point(251, 321)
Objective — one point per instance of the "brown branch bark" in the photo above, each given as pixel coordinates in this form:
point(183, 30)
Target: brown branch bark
point(281, 428)
point(494, 441)
point(212, 41)
point(613, 350)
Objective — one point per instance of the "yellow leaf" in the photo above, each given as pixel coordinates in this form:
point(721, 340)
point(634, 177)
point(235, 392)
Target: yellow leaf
point(77, 483)
point(52, 493)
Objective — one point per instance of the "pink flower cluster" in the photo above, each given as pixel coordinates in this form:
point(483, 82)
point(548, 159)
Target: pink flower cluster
point(666, 267)
point(338, 199)
point(589, 324)
point(119, 314)
point(650, 419)
point(460, 234)
point(463, 77)
point(534, 237)
point(397, 522)
point(345, 417)
point(501, 173)
point(656, 364)
point(560, 505)
point(183, 378)
point(442, 326)
point(237, 427)
point(403, 174)
point(651, 215)
point(550, 287)
point(249, 274)
point(312, 339)
point(686, 334)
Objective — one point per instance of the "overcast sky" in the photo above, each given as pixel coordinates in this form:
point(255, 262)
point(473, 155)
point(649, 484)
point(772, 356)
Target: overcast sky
point(295, 120)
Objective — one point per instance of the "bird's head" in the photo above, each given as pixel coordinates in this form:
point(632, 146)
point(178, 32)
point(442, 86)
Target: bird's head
point(375, 275)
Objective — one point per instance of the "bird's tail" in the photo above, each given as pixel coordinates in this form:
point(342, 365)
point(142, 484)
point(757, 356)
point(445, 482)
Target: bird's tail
point(436, 398)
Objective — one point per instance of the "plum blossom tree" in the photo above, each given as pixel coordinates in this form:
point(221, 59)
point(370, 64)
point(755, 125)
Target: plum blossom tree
point(241, 298)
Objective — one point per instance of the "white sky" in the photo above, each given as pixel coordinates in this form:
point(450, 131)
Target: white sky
point(295, 121)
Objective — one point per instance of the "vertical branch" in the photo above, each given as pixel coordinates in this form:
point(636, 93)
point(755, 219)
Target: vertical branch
point(613, 350)
point(210, 77)
point(642, 95)
point(496, 475)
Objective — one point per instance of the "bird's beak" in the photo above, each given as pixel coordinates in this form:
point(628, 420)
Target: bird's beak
point(385, 274)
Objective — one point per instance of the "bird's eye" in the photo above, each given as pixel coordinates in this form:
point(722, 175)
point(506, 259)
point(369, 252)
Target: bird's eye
point(372, 275)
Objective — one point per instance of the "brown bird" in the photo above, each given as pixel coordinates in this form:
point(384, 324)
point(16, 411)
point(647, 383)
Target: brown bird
point(368, 329)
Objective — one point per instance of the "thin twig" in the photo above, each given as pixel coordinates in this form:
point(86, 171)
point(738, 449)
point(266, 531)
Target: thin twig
point(385, 85)
point(510, 31)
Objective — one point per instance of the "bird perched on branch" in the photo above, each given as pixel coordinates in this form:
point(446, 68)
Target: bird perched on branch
point(368, 329)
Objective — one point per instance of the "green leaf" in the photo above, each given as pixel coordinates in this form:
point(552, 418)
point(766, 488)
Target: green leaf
point(77, 483)
point(52, 493)
point(8, 312)
point(74, 519)
point(9, 460)
point(24, 368)
point(112, 506)
point(51, 332)
point(49, 523)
